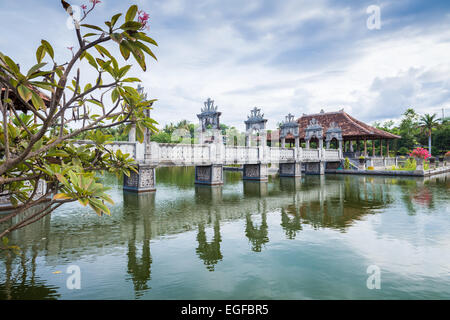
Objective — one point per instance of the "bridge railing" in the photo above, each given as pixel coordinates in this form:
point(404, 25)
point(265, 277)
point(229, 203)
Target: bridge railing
point(332, 154)
point(132, 148)
point(176, 154)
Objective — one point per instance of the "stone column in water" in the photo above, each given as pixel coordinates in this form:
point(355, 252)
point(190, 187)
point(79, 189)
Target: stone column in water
point(143, 181)
point(292, 169)
point(209, 174)
point(256, 172)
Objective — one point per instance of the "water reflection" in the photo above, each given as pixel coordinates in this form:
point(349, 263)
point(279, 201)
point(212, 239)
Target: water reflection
point(257, 235)
point(209, 252)
point(140, 211)
point(19, 280)
point(291, 221)
point(331, 202)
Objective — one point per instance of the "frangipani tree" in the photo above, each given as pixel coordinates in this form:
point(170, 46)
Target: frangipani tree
point(35, 144)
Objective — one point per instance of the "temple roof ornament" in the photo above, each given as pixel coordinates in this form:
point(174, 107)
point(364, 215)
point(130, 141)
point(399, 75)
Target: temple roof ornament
point(255, 115)
point(334, 127)
point(209, 106)
point(289, 122)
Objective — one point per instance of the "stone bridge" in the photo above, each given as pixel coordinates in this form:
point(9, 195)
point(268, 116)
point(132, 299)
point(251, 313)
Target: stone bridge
point(212, 152)
point(209, 160)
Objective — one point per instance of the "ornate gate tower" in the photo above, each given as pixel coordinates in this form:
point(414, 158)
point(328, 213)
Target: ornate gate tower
point(209, 129)
point(256, 123)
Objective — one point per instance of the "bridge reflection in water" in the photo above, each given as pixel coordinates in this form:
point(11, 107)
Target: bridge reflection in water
point(334, 202)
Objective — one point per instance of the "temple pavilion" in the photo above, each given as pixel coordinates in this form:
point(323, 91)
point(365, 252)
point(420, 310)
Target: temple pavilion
point(334, 128)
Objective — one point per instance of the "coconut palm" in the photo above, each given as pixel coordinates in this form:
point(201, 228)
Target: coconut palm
point(428, 122)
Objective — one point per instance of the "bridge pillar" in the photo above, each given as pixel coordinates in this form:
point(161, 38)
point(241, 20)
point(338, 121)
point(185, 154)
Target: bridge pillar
point(256, 172)
point(315, 167)
point(143, 181)
point(293, 169)
point(210, 175)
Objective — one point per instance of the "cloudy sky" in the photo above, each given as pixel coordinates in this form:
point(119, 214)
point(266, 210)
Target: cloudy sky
point(283, 56)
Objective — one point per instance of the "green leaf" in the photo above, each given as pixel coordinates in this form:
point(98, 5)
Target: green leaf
point(146, 49)
point(48, 48)
point(95, 102)
point(24, 92)
point(90, 26)
point(91, 60)
point(90, 34)
point(139, 56)
point(35, 68)
point(125, 49)
point(131, 13)
point(142, 36)
point(103, 51)
point(62, 196)
point(131, 25)
point(12, 65)
point(114, 19)
point(40, 54)
point(114, 95)
point(131, 80)
point(37, 101)
point(123, 71)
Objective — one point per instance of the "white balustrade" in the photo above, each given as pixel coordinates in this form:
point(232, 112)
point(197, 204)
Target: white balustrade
point(172, 154)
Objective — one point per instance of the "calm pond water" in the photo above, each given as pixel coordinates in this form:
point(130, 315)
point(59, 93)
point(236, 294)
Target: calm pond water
point(307, 238)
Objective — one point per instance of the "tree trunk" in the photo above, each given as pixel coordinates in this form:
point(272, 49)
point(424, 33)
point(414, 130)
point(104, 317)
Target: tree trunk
point(429, 143)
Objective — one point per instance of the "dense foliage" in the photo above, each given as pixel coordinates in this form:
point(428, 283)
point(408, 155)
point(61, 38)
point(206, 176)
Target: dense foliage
point(416, 131)
point(35, 142)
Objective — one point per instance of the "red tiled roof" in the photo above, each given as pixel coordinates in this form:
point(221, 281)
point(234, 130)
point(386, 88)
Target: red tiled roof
point(351, 127)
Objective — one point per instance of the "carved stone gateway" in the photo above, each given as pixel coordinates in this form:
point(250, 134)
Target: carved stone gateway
point(143, 181)
point(210, 175)
point(334, 132)
point(314, 130)
point(290, 126)
point(257, 172)
point(209, 123)
point(256, 123)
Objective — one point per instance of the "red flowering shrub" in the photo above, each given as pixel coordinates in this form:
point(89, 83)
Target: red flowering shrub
point(420, 153)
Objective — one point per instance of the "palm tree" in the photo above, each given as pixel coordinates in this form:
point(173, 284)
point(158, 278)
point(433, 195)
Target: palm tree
point(428, 122)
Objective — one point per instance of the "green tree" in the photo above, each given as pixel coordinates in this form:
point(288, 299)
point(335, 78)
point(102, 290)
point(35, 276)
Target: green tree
point(41, 150)
point(428, 123)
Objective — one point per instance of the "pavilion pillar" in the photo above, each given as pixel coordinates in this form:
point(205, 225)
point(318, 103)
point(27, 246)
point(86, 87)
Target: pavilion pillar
point(307, 144)
point(373, 148)
point(351, 145)
point(357, 145)
point(381, 148)
point(328, 144)
point(283, 143)
point(297, 142)
point(365, 147)
point(387, 148)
